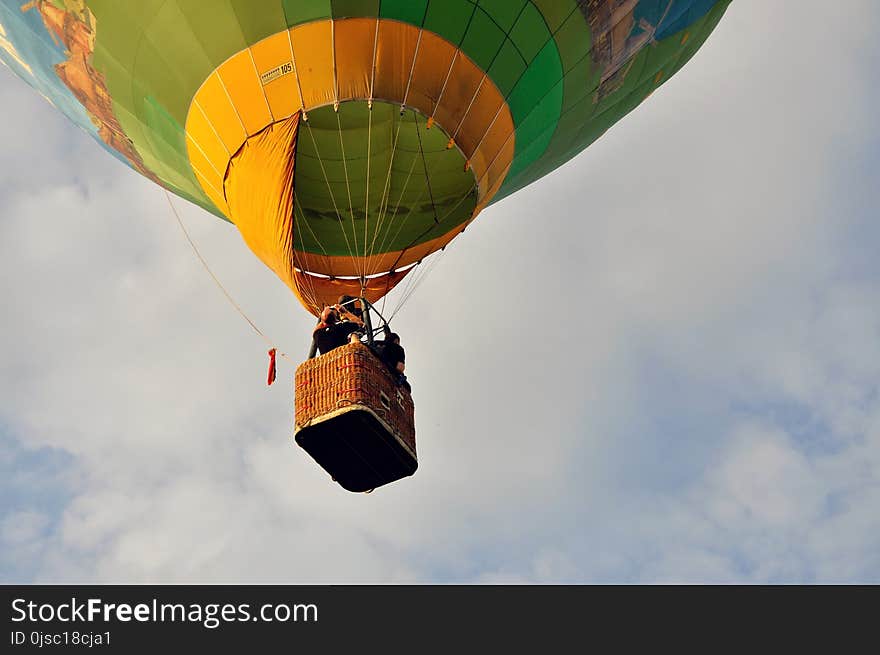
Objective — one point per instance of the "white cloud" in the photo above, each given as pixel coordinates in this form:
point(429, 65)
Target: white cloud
point(657, 364)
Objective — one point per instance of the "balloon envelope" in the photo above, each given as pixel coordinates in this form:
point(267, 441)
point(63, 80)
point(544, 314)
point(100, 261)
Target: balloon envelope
point(348, 139)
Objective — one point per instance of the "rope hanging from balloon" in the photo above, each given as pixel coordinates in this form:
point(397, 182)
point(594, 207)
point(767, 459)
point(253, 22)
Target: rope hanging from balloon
point(273, 350)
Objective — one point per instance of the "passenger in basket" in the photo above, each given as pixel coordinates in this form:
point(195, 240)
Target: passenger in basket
point(327, 334)
point(350, 317)
point(393, 356)
point(349, 308)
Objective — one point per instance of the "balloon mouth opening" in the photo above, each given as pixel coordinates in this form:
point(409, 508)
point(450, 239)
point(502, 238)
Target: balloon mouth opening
point(371, 179)
point(351, 201)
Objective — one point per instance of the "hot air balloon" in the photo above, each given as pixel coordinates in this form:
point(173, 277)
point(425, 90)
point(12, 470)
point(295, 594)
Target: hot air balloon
point(348, 140)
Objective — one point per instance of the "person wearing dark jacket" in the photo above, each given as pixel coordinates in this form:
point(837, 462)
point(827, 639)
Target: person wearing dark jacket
point(327, 334)
point(393, 356)
point(338, 322)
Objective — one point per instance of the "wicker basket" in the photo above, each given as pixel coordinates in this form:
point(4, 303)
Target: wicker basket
point(354, 419)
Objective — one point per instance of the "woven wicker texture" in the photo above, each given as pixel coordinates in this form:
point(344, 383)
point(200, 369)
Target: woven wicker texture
point(352, 376)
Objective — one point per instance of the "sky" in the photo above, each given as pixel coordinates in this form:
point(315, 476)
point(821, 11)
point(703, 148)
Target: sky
point(628, 372)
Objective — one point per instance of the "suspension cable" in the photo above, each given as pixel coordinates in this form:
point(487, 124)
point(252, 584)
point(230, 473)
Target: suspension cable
point(332, 197)
point(400, 224)
point(367, 199)
point(386, 194)
point(347, 188)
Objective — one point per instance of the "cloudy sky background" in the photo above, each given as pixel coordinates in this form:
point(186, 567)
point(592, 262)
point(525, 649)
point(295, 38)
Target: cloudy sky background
point(628, 372)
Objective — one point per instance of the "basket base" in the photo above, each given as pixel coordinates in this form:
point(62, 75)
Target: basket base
point(357, 450)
